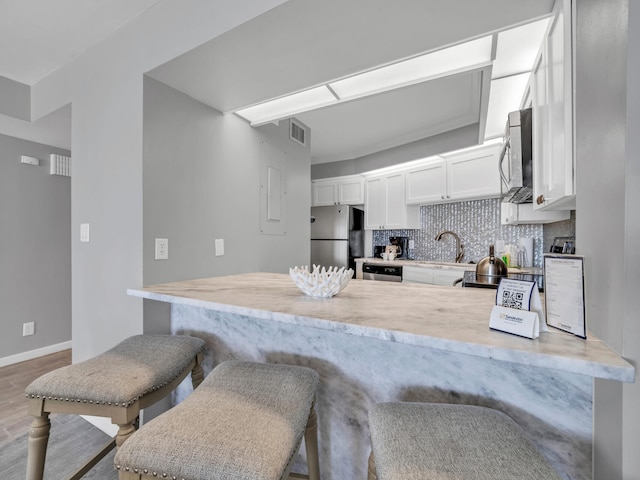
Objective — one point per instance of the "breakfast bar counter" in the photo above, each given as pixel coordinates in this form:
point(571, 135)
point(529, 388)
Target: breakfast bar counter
point(379, 341)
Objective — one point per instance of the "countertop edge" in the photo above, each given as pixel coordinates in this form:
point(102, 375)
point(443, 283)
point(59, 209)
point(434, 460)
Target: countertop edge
point(624, 373)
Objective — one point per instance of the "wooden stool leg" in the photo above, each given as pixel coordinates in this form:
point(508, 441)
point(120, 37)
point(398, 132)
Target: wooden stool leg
point(37, 450)
point(311, 445)
point(197, 375)
point(125, 430)
point(372, 475)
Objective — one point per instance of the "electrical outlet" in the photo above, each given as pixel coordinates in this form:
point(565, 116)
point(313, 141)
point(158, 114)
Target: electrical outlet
point(162, 249)
point(412, 245)
point(28, 328)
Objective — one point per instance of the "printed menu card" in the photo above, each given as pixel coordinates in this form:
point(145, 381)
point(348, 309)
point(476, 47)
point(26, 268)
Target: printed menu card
point(564, 293)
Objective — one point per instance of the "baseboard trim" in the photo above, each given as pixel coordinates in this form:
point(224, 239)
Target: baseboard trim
point(31, 354)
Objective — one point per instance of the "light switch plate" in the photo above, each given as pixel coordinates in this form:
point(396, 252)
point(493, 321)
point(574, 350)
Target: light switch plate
point(219, 247)
point(84, 232)
point(162, 249)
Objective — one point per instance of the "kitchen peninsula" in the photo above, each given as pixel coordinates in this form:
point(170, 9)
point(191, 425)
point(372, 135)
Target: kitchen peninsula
point(377, 341)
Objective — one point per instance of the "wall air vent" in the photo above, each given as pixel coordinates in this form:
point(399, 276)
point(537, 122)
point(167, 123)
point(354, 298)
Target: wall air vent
point(298, 132)
point(59, 165)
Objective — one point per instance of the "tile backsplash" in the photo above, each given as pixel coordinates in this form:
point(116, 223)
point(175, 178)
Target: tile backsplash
point(477, 223)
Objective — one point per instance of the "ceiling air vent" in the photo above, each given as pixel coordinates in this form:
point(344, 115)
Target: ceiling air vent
point(298, 132)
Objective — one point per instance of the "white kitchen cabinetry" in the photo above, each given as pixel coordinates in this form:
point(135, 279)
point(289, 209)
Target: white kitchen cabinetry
point(347, 190)
point(432, 276)
point(523, 213)
point(427, 183)
point(384, 203)
point(552, 102)
point(466, 175)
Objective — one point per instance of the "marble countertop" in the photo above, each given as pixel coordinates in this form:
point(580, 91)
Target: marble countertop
point(443, 318)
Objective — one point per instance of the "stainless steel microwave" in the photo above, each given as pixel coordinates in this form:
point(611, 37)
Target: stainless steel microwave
point(516, 158)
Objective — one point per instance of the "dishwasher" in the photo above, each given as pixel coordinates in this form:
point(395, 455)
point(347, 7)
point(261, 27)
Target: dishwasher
point(384, 273)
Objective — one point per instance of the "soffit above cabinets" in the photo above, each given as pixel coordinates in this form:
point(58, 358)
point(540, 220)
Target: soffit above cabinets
point(395, 117)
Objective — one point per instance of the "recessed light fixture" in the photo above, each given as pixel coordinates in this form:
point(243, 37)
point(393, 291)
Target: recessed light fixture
point(448, 61)
point(288, 106)
point(458, 58)
point(505, 96)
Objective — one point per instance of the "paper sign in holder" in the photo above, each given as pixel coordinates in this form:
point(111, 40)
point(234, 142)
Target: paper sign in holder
point(564, 293)
point(518, 309)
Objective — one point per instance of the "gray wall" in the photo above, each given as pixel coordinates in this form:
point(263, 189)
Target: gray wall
point(15, 99)
point(35, 249)
point(105, 85)
point(201, 181)
point(607, 220)
point(445, 142)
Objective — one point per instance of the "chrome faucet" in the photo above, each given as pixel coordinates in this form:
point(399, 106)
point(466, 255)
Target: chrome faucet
point(459, 246)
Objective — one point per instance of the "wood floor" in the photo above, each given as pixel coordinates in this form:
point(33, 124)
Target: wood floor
point(14, 420)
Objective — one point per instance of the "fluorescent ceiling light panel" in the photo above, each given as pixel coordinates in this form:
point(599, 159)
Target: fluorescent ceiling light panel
point(505, 96)
point(288, 106)
point(425, 67)
point(518, 47)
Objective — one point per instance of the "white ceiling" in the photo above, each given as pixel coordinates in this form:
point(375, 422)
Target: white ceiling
point(39, 36)
point(297, 45)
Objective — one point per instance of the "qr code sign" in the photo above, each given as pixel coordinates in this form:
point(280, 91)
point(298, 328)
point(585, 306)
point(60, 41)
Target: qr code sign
point(512, 299)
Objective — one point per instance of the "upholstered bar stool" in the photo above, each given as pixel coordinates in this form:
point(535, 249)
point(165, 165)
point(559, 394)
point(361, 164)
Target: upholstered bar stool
point(426, 441)
point(246, 421)
point(116, 384)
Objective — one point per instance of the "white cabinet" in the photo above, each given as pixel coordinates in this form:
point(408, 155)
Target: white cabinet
point(324, 192)
point(464, 175)
point(432, 276)
point(384, 203)
point(473, 173)
point(427, 183)
point(347, 190)
point(523, 213)
point(552, 102)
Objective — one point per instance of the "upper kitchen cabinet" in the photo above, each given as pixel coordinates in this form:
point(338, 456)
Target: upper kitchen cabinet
point(464, 175)
point(427, 183)
point(384, 203)
point(347, 190)
point(552, 103)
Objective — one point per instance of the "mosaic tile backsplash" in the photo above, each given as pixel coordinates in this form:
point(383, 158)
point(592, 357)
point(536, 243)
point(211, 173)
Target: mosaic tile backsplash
point(477, 223)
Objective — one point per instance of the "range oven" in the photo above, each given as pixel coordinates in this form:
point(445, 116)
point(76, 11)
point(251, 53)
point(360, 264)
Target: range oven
point(471, 280)
point(384, 273)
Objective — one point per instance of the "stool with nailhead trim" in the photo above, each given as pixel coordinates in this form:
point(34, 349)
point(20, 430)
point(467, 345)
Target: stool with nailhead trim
point(246, 421)
point(438, 441)
point(116, 384)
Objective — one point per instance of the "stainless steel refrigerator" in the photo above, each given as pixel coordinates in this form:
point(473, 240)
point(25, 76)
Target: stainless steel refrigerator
point(337, 235)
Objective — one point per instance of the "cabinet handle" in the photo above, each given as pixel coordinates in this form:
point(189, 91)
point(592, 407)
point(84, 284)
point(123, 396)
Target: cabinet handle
point(540, 199)
point(442, 197)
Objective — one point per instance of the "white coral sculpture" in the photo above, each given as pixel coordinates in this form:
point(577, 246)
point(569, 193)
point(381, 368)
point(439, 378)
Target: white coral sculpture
point(321, 282)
